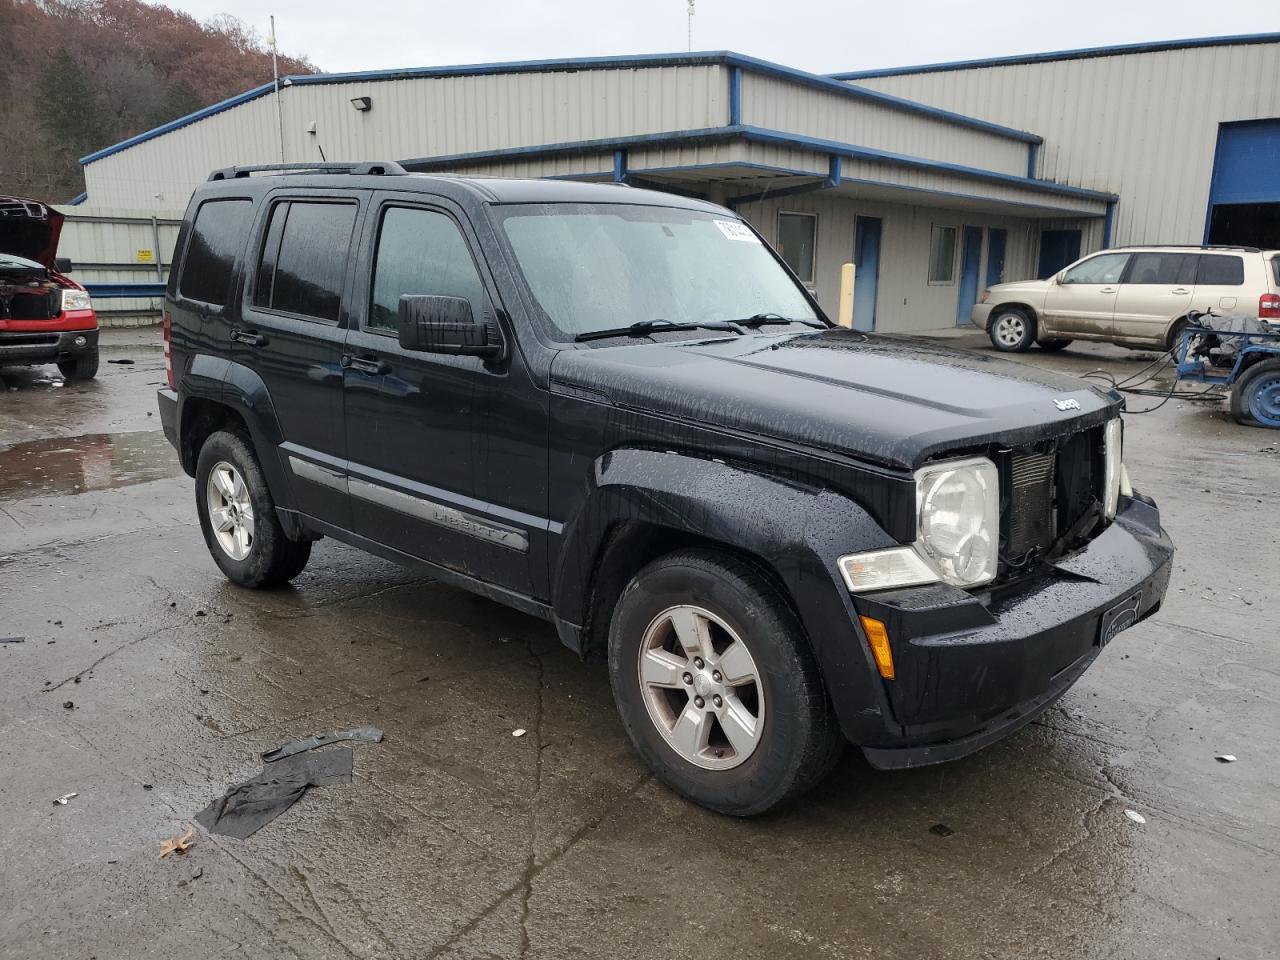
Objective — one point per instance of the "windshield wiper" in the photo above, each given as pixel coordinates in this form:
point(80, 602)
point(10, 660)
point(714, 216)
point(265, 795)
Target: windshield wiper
point(643, 328)
point(760, 319)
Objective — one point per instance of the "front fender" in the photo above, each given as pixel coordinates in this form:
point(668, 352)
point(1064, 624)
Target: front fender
point(797, 531)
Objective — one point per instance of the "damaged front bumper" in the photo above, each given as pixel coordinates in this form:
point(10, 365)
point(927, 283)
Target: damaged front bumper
point(971, 671)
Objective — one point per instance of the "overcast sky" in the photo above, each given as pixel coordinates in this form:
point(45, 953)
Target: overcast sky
point(819, 35)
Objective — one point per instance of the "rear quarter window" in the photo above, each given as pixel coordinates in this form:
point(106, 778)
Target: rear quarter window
point(1275, 270)
point(217, 237)
point(1217, 270)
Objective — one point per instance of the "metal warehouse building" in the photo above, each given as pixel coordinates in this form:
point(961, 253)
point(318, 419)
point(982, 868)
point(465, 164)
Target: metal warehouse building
point(935, 180)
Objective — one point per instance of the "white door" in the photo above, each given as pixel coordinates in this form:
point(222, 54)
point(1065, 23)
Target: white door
point(1082, 298)
point(1157, 289)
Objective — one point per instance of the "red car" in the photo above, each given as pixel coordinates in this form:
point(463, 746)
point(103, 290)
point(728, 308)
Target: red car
point(45, 316)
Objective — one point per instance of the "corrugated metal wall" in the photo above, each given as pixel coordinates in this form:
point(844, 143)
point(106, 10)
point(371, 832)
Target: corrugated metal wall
point(1143, 125)
point(119, 246)
point(776, 104)
point(413, 118)
point(906, 301)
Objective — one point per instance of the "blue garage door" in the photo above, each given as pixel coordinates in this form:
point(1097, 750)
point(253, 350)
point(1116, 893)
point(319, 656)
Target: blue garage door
point(1244, 195)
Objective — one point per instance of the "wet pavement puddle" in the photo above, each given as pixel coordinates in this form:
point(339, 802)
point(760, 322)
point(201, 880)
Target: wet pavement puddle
point(65, 466)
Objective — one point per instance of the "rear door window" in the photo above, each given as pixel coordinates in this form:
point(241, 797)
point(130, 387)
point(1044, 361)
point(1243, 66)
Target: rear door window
point(1217, 270)
point(217, 237)
point(1163, 269)
point(304, 258)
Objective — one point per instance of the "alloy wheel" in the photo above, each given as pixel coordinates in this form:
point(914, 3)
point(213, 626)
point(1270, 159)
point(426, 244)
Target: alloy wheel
point(230, 510)
point(701, 687)
point(1010, 329)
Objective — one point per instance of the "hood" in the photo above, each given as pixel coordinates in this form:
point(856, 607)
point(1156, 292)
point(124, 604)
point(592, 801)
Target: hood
point(1002, 291)
point(896, 402)
point(30, 229)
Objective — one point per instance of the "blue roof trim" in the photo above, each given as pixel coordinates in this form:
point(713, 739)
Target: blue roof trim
point(1084, 53)
point(633, 61)
point(757, 135)
point(78, 199)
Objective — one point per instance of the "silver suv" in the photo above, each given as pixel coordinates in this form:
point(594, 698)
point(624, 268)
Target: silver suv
point(1133, 296)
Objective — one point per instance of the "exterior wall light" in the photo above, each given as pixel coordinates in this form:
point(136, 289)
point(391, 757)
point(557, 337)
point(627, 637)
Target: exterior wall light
point(362, 103)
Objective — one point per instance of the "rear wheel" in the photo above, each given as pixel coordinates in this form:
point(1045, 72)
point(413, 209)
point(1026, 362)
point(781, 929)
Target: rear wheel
point(1011, 330)
point(1255, 397)
point(82, 366)
point(1053, 345)
point(716, 685)
point(238, 516)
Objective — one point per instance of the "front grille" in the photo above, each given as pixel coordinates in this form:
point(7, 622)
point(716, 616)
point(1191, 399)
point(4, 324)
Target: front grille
point(1051, 498)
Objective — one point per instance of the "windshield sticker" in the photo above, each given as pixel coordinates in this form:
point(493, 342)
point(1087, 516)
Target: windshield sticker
point(737, 231)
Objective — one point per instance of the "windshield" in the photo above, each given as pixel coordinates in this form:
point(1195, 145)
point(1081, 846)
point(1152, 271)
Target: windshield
point(607, 266)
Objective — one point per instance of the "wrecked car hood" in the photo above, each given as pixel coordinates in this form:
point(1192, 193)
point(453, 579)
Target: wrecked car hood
point(894, 401)
point(30, 229)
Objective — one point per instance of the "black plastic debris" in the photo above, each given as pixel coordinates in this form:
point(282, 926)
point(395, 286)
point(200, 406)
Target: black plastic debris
point(941, 830)
point(123, 362)
point(13, 639)
point(249, 806)
point(367, 734)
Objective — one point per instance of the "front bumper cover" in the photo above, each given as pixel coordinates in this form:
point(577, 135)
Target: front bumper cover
point(972, 671)
point(44, 347)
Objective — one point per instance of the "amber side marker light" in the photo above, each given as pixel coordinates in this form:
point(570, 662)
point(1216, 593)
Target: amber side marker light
point(878, 637)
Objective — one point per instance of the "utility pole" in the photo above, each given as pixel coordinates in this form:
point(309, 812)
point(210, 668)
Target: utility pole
point(690, 26)
point(275, 69)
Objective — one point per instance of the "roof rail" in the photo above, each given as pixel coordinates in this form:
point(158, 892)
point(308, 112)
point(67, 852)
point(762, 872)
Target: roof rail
point(1190, 246)
point(377, 168)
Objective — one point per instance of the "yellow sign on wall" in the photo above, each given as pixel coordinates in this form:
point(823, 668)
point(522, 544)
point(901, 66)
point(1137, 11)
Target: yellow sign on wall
point(146, 256)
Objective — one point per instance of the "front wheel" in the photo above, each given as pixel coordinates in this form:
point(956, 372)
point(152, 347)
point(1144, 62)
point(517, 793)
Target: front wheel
point(716, 685)
point(1011, 330)
point(238, 516)
point(1255, 397)
point(82, 366)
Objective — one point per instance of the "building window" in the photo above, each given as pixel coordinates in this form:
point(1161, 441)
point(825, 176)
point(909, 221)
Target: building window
point(942, 255)
point(797, 235)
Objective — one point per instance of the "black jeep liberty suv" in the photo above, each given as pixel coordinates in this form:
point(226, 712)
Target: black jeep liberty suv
point(619, 411)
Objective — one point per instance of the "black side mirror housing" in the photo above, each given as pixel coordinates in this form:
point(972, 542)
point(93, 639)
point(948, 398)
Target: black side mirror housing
point(431, 324)
point(62, 264)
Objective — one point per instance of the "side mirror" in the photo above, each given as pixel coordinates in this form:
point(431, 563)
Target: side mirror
point(62, 264)
point(445, 325)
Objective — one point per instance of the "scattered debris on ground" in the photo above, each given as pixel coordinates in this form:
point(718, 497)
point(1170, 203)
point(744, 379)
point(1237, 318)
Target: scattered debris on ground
point(941, 830)
point(68, 704)
point(249, 806)
point(124, 362)
point(179, 845)
point(519, 732)
point(13, 639)
point(65, 798)
point(1135, 816)
point(1225, 758)
point(367, 734)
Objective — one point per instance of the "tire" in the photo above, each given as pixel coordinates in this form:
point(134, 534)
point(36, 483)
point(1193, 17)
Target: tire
point(1011, 330)
point(1053, 344)
point(720, 600)
point(1175, 332)
point(82, 366)
point(1255, 397)
point(230, 481)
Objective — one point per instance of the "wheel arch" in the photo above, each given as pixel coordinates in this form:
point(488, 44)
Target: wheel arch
point(643, 504)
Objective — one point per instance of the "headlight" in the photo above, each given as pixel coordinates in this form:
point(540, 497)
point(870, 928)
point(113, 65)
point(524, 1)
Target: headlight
point(958, 519)
point(75, 299)
point(957, 533)
point(1113, 440)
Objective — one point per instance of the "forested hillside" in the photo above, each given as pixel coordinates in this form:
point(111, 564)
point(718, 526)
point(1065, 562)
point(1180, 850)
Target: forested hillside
point(78, 75)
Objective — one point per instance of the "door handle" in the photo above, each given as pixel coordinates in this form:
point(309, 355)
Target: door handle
point(1107, 290)
point(370, 365)
point(1182, 290)
point(250, 337)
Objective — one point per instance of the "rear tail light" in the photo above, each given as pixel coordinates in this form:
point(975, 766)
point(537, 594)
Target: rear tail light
point(1269, 306)
point(168, 350)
